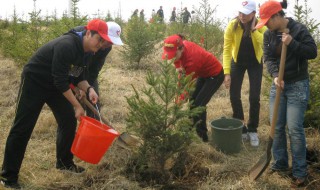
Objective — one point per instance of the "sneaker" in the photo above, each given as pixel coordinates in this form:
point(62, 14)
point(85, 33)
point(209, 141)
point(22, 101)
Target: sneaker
point(8, 184)
point(72, 169)
point(254, 140)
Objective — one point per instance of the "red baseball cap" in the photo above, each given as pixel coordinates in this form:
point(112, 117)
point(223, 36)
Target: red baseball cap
point(170, 46)
point(99, 26)
point(267, 10)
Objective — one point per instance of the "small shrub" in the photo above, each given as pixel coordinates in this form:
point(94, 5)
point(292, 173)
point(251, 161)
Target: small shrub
point(163, 124)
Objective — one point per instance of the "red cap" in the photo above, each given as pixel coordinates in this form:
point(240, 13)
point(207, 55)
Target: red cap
point(267, 10)
point(170, 46)
point(99, 26)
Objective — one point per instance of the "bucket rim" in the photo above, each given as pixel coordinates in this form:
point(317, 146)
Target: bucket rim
point(113, 132)
point(224, 129)
point(102, 126)
point(223, 118)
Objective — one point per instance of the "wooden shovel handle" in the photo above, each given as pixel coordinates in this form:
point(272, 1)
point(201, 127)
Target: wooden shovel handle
point(278, 92)
point(84, 100)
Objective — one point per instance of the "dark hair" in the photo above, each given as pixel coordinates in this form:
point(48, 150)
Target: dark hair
point(93, 32)
point(182, 38)
point(284, 5)
point(246, 27)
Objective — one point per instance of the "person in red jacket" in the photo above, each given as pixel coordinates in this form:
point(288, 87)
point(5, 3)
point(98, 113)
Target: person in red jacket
point(190, 58)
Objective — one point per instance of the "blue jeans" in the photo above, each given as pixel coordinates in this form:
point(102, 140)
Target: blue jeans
point(293, 104)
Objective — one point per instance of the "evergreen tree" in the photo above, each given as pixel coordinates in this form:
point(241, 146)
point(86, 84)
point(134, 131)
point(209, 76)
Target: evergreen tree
point(108, 17)
point(207, 30)
point(302, 14)
point(139, 40)
point(161, 119)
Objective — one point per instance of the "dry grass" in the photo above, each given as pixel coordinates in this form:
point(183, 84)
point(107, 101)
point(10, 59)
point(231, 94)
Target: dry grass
point(225, 171)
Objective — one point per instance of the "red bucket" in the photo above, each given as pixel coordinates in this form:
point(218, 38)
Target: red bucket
point(92, 140)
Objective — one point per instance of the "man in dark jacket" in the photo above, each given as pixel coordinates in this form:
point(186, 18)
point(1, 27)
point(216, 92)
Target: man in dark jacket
point(45, 80)
point(95, 61)
point(173, 15)
point(160, 14)
point(186, 15)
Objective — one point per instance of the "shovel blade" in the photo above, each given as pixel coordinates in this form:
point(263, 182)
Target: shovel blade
point(256, 171)
point(122, 144)
point(129, 139)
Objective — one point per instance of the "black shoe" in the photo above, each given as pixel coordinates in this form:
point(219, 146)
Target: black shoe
point(8, 184)
point(299, 182)
point(72, 169)
point(203, 135)
point(205, 138)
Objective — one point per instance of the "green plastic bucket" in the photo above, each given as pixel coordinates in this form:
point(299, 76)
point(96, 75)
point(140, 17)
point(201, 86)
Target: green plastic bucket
point(226, 135)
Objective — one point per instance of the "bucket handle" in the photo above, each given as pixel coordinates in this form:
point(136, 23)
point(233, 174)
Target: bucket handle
point(99, 113)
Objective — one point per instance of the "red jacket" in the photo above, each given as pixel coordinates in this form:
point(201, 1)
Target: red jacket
point(195, 59)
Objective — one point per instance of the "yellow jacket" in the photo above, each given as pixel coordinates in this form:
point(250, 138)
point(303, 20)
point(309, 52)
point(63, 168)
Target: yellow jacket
point(232, 41)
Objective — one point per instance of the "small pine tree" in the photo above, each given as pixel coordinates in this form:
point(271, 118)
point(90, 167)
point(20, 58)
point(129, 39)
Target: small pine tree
point(108, 17)
point(140, 39)
point(159, 120)
point(302, 14)
point(11, 43)
point(34, 30)
point(209, 31)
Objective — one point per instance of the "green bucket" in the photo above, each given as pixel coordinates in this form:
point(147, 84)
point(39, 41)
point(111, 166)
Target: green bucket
point(226, 135)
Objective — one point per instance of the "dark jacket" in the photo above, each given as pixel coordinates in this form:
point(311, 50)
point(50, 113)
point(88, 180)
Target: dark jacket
point(301, 48)
point(185, 16)
point(160, 13)
point(53, 63)
point(173, 16)
point(95, 61)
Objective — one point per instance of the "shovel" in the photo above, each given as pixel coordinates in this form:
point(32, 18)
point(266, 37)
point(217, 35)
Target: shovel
point(125, 140)
point(256, 171)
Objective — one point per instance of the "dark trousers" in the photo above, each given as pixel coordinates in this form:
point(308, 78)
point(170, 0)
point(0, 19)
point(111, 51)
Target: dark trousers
point(31, 99)
point(205, 88)
point(89, 113)
point(255, 77)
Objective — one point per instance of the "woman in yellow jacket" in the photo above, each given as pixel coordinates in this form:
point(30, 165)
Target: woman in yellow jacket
point(243, 52)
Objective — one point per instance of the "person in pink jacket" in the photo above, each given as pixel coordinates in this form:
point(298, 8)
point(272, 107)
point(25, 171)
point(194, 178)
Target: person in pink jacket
point(190, 58)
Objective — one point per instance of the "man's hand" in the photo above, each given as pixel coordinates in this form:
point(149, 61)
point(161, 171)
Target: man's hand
point(93, 96)
point(79, 111)
point(81, 94)
point(75, 103)
point(227, 80)
point(91, 93)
